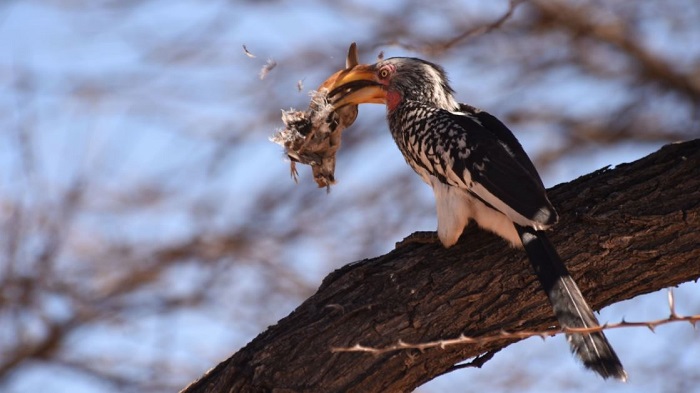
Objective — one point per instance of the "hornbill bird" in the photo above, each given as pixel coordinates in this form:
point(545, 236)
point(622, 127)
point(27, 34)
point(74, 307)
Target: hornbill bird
point(478, 171)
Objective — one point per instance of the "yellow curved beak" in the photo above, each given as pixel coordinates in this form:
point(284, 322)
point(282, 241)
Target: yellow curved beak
point(357, 85)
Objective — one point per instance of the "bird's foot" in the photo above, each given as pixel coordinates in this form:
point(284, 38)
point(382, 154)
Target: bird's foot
point(420, 237)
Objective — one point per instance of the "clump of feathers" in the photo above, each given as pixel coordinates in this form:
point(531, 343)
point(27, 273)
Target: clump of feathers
point(313, 137)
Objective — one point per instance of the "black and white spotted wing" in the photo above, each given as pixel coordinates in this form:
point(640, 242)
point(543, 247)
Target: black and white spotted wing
point(475, 151)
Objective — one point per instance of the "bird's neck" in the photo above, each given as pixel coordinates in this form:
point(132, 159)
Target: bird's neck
point(439, 99)
point(393, 100)
point(405, 117)
point(442, 99)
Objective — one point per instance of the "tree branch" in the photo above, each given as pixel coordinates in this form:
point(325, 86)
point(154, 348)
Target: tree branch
point(522, 334)
point(579, 22)
point(437, 47)
point(624, 232)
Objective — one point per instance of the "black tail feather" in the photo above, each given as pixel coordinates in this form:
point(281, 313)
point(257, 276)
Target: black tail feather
point(569, 305)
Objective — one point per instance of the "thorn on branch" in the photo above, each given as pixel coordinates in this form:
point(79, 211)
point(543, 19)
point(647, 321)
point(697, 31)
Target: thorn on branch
point(543, 334)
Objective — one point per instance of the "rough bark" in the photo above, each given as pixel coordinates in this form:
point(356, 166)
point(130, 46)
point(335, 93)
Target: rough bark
point(623, 232)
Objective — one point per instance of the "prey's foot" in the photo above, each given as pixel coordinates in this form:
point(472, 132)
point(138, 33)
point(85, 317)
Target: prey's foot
point(420, 237)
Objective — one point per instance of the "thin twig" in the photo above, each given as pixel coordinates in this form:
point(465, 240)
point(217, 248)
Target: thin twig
point(505, 335)
point(439, 47)
point(481, 30)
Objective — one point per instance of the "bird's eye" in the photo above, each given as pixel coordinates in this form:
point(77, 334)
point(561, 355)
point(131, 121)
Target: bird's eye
point(383, 73)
